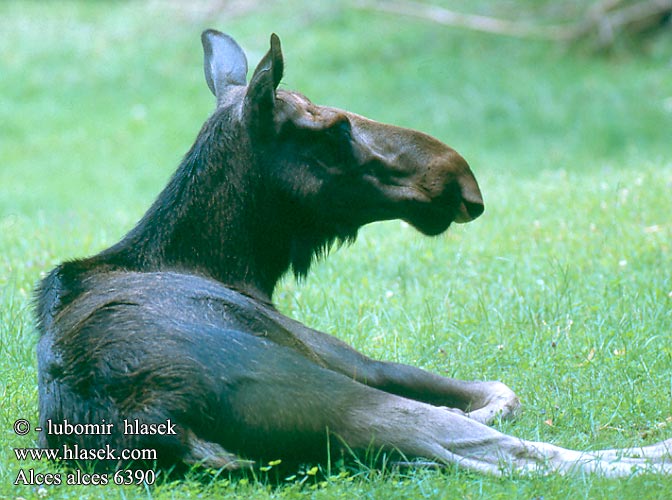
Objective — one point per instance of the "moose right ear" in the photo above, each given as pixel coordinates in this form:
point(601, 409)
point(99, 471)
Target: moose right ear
point(224, 62)
point(260, 96)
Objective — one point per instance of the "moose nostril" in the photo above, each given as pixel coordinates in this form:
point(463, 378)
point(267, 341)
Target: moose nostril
point(474, 209)
point(469, 210)
point(471, 200)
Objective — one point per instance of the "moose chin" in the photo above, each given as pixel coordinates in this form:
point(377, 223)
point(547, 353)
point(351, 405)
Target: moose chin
point(174, 324)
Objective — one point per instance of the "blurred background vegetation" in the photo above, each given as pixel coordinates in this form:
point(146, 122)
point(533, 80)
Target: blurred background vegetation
point(101, 83)
point(562, 289)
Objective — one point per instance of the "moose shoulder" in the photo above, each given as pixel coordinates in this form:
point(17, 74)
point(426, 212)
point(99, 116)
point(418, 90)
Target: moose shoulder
point(175, 322)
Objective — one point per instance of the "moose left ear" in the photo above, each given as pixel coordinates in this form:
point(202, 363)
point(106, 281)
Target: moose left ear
point(224, 62)
point(260, 96)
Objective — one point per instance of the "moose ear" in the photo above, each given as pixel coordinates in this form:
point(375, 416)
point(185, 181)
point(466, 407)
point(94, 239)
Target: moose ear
point(260, 96)
point(224, 62)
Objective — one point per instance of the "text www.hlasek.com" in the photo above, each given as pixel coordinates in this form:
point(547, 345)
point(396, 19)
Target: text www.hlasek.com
point(74, 452)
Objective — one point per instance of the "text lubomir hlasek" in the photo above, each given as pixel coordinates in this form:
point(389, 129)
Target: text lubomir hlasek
point(129, 427)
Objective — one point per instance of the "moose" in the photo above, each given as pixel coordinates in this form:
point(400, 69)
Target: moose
point(175, 325)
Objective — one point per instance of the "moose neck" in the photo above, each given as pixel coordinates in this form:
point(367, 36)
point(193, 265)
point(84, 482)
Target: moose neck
point(213, 218)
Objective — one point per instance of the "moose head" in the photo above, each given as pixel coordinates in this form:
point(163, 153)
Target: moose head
point(273, 180)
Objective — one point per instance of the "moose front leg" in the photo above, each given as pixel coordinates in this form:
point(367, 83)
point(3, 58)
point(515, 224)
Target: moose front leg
point(480, 401)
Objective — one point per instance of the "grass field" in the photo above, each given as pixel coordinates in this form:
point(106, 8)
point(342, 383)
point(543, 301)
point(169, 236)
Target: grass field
point(562, 289)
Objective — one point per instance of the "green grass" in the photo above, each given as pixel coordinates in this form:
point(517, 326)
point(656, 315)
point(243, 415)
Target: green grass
point(562, 290)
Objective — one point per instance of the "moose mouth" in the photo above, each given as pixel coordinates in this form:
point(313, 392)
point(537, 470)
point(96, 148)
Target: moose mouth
point(432, 219)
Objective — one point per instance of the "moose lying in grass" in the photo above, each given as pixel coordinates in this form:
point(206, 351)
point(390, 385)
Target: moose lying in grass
point(175, 322)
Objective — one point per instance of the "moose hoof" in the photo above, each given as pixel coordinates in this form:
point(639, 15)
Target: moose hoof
point(499, 403)
point(212, 455)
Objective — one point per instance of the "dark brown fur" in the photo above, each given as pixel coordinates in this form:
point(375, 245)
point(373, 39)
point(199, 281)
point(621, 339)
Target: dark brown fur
point(175, 321)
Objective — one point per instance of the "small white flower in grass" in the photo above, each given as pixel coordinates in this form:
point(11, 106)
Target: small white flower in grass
point(42, 492)
point(622, 263)
point(389, 294)
point(500, 347)
point(588, 359)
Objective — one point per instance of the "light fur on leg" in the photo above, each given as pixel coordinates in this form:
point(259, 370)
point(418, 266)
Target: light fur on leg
point(421, 430)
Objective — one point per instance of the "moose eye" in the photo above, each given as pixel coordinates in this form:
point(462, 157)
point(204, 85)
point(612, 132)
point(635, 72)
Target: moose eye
point(339, 143)
point(341, 130)
point(339, 138)
point(327, 147)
